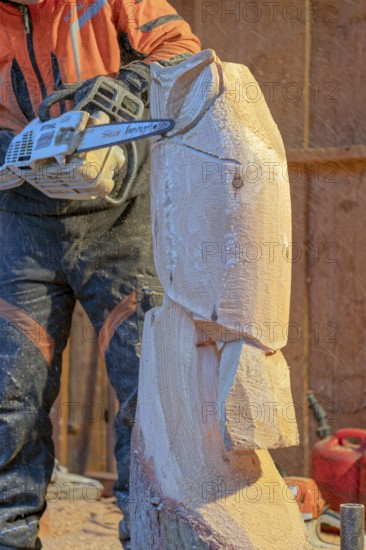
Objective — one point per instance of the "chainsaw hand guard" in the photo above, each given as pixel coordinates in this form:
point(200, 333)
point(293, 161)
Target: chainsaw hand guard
point(101, 93)
point(113, 97)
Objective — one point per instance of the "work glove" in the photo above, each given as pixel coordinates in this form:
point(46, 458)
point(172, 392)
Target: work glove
point(136, 76)
point(80, 176)
point(133, 82)
point(175, 60)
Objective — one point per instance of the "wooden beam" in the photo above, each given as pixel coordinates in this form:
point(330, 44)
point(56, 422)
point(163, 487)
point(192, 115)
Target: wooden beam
point(349, 155)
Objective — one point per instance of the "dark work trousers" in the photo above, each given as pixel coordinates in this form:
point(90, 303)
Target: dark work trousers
point(104, 259)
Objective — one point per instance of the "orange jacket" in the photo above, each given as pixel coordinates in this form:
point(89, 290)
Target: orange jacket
point(36, 52)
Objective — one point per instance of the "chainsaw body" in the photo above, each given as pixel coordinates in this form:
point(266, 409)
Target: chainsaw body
point(314, 510)
point(57, 138)
point(51, 155)
point(41, 155)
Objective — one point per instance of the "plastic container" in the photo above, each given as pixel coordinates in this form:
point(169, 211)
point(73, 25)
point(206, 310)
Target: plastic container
point(339, 467)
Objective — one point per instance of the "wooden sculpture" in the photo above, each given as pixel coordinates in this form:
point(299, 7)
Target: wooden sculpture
point(214, 389)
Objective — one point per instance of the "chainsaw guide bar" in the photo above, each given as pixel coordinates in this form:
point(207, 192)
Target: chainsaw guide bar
point(48, 154)
point(73, 132)
point(117, 133)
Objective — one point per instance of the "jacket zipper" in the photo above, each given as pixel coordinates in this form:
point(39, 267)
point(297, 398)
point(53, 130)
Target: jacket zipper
point(24, 10)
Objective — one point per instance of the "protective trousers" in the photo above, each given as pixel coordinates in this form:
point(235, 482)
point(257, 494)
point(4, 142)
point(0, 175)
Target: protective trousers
point(104, 259)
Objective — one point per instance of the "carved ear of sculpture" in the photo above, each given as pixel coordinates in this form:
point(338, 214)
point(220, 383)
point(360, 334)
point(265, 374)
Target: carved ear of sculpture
point(184, 92)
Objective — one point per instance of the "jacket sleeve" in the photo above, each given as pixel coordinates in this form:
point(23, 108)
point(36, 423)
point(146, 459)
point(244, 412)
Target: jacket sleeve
point(154, 29)
point(150, 30)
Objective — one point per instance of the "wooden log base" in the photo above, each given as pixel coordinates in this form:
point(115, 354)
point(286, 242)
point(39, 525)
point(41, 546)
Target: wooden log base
point(187, 490)
point(243, 521)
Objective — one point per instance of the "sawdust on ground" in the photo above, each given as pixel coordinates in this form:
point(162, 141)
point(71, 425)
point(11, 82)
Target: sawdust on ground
point(86, 525)
point(80, 524)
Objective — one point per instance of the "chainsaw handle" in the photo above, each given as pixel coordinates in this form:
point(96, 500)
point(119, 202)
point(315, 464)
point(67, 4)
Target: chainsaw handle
point(357, 433)
point(67, 91)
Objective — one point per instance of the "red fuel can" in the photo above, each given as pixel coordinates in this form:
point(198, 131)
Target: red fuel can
point(339, 467)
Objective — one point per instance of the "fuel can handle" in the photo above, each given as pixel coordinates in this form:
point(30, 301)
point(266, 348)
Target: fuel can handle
point(356, 433)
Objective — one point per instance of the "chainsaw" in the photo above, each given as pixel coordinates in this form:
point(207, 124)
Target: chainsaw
point(317, 515)
point(48, 142)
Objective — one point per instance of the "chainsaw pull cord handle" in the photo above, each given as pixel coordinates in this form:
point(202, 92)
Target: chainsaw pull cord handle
point(68, 91)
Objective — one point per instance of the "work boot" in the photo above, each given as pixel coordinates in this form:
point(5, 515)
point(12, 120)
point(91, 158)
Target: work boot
point(123, 501)
point(38, 546)
point(124, 528)
point(126, 544)
point(67, 486)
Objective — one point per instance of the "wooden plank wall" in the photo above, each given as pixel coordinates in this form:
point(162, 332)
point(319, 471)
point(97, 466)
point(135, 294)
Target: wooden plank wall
point(308, 57)
point(84, 411)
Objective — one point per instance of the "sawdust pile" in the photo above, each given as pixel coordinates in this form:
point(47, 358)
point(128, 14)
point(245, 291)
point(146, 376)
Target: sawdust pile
point(81, 524)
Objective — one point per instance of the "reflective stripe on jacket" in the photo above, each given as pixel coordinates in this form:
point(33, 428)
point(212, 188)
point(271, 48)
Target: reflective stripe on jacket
point(37, 54)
